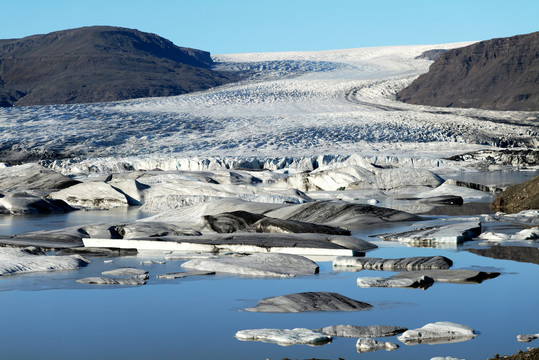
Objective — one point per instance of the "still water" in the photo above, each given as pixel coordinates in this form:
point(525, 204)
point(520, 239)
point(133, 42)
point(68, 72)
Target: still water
point(496, 178)
point(11, 225)
point(51, 316)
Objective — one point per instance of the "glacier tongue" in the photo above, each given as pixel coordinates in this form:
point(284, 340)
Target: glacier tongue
point(333, 102)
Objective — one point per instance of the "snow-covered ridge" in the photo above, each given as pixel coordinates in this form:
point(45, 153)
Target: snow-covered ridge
point(350, 56)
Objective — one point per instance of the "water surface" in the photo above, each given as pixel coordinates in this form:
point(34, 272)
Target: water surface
point(196, 318)
point(51, 316)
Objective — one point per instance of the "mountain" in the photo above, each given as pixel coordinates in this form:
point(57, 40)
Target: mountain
point(497, 74)
point(100, 63)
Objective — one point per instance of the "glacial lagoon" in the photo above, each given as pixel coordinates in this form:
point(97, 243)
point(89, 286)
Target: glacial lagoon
point(51, 316)
point(328, 110)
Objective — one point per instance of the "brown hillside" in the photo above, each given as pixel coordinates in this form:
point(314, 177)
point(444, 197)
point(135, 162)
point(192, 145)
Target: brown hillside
point(518, 197)
point(498, 74)
point(99, 63)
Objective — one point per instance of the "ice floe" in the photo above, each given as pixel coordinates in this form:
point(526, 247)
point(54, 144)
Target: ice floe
point(422, 282)
point(245, 221)
point(125, 272)
point(20, 203)
point(526, 235)
point(527, 337)
point(273, 265)
point(451, 234)
point(371, 331)
point(285, 337)
point(525, 217)
point(410, 263)
point(97, 280)
point(298, 244)
point(309, 301)
point(441, 332)
point(32, 176)
point(369, 345)
point(31, 259)
point(91, 195)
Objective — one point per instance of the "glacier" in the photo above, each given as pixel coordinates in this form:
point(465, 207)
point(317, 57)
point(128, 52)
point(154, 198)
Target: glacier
point(298, 110)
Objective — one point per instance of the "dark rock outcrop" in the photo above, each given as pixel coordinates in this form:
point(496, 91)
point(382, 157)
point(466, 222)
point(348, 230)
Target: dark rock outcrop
point(530, 354)
point(99, 63)
point(432, 55)
point(497, 74)
point(518, 197)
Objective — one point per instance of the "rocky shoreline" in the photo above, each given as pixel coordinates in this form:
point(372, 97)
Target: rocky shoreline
point(531, 354)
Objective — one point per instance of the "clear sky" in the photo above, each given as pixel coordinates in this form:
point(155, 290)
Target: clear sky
point(239, 26)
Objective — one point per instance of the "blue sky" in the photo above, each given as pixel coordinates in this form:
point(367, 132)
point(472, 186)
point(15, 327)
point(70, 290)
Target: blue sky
point(236, 26)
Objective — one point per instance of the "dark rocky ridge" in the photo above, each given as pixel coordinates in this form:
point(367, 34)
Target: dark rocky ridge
point(497, 74)
point(100, 63)
point(516, 198)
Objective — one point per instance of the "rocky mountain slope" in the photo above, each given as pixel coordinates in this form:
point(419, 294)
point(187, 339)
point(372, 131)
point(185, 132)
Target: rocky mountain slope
point(497, 74)
point(518, 197)
point(100, 63)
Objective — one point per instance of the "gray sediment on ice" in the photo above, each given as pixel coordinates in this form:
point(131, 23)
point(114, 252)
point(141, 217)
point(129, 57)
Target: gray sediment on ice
point(409, 263)
point(371, 331)
point(420, 282)
point(309, 301)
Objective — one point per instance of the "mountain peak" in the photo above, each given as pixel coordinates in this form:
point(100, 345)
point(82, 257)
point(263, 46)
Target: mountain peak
point(99, 63)
point(497, 74)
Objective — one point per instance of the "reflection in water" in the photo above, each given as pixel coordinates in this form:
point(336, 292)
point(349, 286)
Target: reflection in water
point(473, 208)
point(496, 178)
point(14, 224)
point(197, 317)
point(515, 253)
point(169, 317)
point(437, 341)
